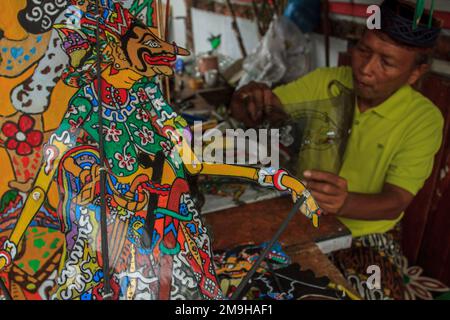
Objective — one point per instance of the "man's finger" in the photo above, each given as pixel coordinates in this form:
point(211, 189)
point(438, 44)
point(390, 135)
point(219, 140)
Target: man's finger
point(258, 98)
point(269, 98)
point(323, 199)
point(252, 109)
point(325, 188)
point(238, 107)
point(324, 177)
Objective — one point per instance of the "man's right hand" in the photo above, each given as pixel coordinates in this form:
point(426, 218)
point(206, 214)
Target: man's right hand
point(254, 103)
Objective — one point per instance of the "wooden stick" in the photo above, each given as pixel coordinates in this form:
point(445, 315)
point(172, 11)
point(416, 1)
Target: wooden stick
point(189, 35)
point(167, 20)
point(275, 7)
point(165, 87)
point(236, 30)
point(258, 21)
point(166, 36)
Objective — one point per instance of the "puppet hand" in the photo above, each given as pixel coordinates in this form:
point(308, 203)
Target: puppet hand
point(7, 253)
point(282, 181)
point(309, 206)
point(299, 192)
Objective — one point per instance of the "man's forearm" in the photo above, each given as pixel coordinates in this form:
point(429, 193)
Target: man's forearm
point(381, 206)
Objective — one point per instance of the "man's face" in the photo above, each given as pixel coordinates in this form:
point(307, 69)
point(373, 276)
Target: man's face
point(381, 67)
point(149, 55)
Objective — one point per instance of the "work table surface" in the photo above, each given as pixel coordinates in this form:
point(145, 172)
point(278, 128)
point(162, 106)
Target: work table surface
point(258, 222)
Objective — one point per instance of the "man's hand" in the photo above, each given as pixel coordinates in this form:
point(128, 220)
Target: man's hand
point(328, 189)
point(331, 193)
point(256, 102)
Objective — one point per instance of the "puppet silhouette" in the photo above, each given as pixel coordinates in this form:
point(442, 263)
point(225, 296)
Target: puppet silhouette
point(158, 246)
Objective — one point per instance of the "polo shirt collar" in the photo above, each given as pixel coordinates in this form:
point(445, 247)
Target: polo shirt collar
point(396, 106)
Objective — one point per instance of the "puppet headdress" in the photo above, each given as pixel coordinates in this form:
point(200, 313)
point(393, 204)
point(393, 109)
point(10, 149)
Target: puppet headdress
point(82, 43)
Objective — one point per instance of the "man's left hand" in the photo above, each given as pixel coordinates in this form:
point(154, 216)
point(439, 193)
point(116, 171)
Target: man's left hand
point(328, 189)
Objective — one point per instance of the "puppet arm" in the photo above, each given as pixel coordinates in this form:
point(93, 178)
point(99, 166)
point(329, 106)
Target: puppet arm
point(53, 151)
point(268, 177)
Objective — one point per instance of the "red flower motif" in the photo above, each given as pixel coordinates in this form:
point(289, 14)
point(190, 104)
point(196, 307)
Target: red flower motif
point(112, 133)
point(21, 136)
point(143, 95)
point(142, 115)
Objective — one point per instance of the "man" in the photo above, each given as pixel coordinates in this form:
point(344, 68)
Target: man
point(396, 131)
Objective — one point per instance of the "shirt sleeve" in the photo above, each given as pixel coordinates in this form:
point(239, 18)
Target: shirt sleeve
point(413, 162)
point(313, 86)
point(299, 90)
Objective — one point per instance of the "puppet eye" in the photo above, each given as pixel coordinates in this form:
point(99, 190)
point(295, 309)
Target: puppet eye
point(152, 44)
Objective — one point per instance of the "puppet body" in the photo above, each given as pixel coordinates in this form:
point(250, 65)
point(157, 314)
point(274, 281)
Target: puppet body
point(163, 256)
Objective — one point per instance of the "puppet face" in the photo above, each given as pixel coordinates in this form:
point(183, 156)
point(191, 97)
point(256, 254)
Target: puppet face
point(147, 54)
point(129, 47)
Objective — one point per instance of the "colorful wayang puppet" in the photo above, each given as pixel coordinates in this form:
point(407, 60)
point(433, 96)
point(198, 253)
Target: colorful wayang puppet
point(158, 246)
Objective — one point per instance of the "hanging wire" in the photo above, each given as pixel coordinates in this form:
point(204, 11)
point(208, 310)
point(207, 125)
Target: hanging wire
point(107, 292)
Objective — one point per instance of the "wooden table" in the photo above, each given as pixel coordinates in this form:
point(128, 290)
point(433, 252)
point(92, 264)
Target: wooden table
point(258, 222)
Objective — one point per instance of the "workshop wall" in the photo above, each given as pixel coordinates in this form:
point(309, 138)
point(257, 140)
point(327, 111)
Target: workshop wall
point(221, 24)
point(347, 22)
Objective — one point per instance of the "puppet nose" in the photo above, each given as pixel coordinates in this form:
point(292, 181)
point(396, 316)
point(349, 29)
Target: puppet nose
point(180, 51)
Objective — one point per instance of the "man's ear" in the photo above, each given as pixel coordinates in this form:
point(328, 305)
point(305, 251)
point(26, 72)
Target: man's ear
point(418, 72)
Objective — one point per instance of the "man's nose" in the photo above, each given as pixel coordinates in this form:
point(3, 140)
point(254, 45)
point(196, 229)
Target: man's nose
point(368, 67)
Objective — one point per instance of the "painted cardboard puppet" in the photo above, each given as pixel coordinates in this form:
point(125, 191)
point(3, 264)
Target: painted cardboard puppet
point(158, 246)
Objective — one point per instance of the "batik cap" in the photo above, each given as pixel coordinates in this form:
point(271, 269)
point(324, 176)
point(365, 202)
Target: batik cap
point(399, 20)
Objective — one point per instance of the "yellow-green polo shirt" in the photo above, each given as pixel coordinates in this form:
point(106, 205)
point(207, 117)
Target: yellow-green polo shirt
point(394, 142)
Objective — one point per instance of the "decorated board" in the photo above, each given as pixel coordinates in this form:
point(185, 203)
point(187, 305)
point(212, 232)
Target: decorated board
point(95, 198)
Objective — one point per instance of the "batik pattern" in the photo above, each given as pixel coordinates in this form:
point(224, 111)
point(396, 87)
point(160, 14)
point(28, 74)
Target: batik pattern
point(398, 280)
point(278, 278)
